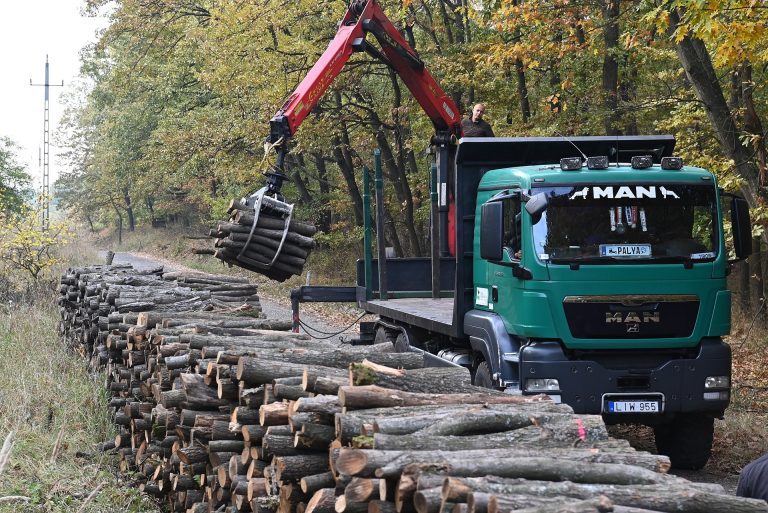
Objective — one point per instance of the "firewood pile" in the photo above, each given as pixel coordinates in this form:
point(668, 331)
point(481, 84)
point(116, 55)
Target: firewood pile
point(269, 244)
point(100, 302)
point(223, 413)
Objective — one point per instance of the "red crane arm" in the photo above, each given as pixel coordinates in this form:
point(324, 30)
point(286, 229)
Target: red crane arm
point(365, 16)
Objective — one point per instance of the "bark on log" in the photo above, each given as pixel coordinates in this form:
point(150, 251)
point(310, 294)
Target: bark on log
point(673, 496)
point(330, 382)
point(381, 507)
point(253, 371)
point(530, 504)
point(243, 217)
point(199, 395)
point(322, 501)
point(372, 396)
point(317, 438)
point(274, 414)
point(388, 464)
point(565, 432)
point(293, 468)
point(362, 489)
point(511, 415)
point(315, 482)
point(427, 380)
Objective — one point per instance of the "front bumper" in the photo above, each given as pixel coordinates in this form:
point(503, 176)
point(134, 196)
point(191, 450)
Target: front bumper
point(586, 384)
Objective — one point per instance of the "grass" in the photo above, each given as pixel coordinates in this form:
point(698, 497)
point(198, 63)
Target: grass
point(47, 396)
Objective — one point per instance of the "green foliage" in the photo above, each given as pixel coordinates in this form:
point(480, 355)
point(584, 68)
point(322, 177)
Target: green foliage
point(183, 91)
point(14, 180)
point(26, 247)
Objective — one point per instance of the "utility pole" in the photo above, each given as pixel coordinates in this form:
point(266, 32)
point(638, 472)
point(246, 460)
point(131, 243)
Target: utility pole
point(46, 149)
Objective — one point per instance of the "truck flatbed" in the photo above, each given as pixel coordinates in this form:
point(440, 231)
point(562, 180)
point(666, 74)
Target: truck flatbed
point(432, 314)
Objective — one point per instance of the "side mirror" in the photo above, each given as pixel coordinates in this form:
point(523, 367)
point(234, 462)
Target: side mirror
point(492, 231)
point(536, 205)
point(741, 227)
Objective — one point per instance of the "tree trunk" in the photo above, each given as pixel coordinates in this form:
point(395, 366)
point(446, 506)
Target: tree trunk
point(129, 209)
point(399, 182)
point(752, 124)
point(745, 297)
point(756, 260)
point(542, 464)
point(343, 157)
point(448, 420)
point(696, 62)
point(611, 13)
point(324, 214)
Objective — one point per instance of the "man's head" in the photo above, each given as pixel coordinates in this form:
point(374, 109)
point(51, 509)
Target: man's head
point(477, 112)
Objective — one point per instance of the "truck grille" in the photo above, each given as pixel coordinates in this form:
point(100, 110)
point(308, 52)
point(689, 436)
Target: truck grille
point(631, 316)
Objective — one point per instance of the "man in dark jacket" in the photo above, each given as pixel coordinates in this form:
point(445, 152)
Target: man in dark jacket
point(753, 481)
point(475, 125)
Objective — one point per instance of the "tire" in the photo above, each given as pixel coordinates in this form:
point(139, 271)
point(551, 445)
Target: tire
point(402, 345)
point(482, 376)
point(384, 335)
point(687, 440)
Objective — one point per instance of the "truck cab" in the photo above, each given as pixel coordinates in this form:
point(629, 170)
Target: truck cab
point(604, 286)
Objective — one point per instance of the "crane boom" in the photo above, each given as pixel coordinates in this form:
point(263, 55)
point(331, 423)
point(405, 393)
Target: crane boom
point(362, 17)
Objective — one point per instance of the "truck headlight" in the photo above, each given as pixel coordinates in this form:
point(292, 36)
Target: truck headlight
point(716, 396)
point(542, 385)
point(717, 382)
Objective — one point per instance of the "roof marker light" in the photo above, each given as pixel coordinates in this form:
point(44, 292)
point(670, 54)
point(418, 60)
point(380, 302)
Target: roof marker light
point(642, 162)
point(570, 164)
point(597, 162)
point(672, 163)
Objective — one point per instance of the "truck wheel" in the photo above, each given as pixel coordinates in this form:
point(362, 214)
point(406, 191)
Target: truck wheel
point(384, 335)
point(687, 440)
point(482, 376)
point(402, 345)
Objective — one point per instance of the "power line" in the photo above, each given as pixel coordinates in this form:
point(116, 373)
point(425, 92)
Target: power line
point(46, 144)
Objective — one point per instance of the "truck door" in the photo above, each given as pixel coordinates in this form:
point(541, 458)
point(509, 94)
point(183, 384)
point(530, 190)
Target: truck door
point(505, 278)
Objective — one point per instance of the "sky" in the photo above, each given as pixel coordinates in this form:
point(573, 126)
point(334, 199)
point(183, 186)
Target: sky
point(30, 30)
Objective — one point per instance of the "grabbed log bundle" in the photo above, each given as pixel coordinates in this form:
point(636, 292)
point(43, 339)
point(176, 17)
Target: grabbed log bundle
point(263, 241)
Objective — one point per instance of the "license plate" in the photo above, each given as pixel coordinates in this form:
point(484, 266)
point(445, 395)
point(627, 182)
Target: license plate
point(625, 250)
point(633, 407)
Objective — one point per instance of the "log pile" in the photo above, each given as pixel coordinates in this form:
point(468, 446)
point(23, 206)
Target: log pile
point(215, 416)
point(263, 244)
point(101, 302)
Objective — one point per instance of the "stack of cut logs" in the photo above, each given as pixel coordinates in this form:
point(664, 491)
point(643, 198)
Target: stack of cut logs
point(95, 300)
point(251, 247)
point(223, 413)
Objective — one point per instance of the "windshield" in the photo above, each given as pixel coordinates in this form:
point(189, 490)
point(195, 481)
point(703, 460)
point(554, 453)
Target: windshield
point(640, 223)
